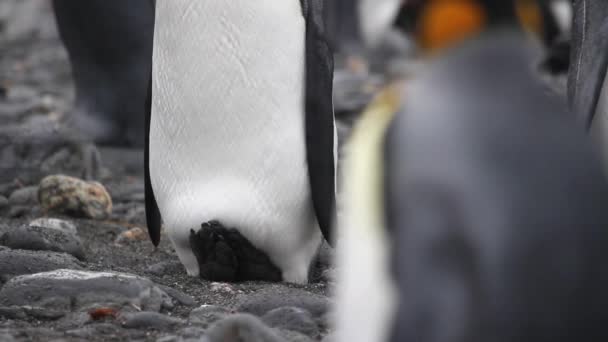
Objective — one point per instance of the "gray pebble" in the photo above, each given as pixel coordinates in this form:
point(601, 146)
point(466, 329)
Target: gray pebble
point(43, 239)
point(3, 202)
point(292, 318)
point(24, 196)
point(165, 267)
point(242, 328)
point(207, 314)
point(276, 295)
point(149, 320)
point(15, 262)
point(48, 313)
point(178, 296)
point(69, 290)
point(54, 223)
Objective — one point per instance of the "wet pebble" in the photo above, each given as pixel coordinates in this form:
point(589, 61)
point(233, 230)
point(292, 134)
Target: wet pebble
point(24, 196)
point(277, 296)
point(43, 239)
point(205, 315)
point(149, 320)
point(69, 290)
point(292, 318)
point(74, 197)
point(242, 328)
point(14, 262)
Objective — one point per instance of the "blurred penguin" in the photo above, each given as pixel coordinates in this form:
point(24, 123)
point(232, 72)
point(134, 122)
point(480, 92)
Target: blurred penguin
point(474, 207)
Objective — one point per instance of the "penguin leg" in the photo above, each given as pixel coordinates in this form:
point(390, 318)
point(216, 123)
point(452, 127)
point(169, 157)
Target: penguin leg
point(226, 255)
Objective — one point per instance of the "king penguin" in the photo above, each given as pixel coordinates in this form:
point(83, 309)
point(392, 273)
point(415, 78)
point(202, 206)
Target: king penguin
point(474, 205)
point(241, 141)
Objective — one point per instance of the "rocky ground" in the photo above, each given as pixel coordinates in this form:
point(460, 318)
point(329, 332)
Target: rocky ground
point(87, 271)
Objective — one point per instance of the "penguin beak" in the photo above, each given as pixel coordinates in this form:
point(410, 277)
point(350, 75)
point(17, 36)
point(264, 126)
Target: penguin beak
point(376, 17)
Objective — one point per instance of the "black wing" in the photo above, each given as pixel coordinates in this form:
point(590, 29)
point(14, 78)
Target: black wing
point(319, 117)
point(153, 218)
point(152, 212)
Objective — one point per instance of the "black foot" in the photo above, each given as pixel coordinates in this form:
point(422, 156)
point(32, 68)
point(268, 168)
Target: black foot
point(225, 255)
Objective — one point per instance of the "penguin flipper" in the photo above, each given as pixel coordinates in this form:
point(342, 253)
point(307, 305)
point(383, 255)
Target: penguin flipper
point(153, 218)
point(319, 117)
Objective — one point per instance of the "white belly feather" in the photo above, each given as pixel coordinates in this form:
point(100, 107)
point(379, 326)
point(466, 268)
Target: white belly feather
point(227, 131)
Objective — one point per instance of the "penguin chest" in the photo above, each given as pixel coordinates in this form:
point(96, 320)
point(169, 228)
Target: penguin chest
point(227, 126)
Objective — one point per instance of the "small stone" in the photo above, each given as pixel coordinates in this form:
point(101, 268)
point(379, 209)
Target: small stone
point(71, 290)
point(24, 196)
point(276, 296)
point(14, 262)
point(222, 287)
point(75, 197)
point(43, 239)
point(133, 234)
point(208, 314)
point(242, 328)
point(3, 202)
point(165, 267)
point(292, 318)
point(54, 223)
point(149, 320)
point(178, 296)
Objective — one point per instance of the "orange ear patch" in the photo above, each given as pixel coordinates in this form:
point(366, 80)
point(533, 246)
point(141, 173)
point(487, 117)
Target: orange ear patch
point(444, 22)
point(530, 15)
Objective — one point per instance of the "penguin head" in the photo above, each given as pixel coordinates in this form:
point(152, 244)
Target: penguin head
point(443, 23)
point(436, 24)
